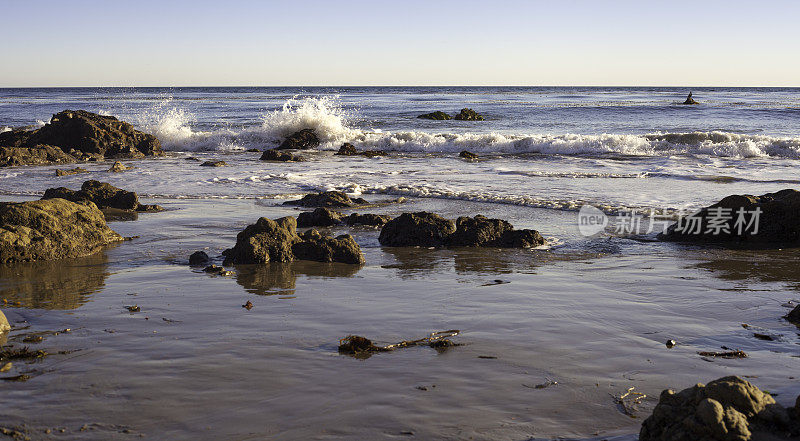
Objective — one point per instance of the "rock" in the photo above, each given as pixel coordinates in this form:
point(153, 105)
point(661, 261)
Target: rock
point(104, 195)
point(216, 163)
point(253, 150)
point(119, 167)
point(468, 155)
point(690, 100)
point(778, 220)
point(4, 325)
point(416, 229)
point(372, 153)
point(71, 171)
point(367, 219)
point(277, 241)
point(51, 229)
point(438, 115)
point(38, 155)
point(347, 149)
point(727, 409)
point(794, 316)
point(302, 140)
point(275, 155)
point(468, 115)
point(199, 258)
point(321, 217)
point(328, 199)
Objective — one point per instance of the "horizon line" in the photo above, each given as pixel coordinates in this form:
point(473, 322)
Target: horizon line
point(401, 85)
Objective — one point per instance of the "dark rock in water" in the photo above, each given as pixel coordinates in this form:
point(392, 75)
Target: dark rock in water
point(254, 150)
point(274, 155)
point(191, 158)
point(367, 219)
point(51, 229)
point(328, 199)
point(119, 167)
point(467, 155)
point(416, 229)
point(103, 195)
point(321, 217)
point(347, 149)
point(690, 100)
point(480, 231)
point(38, 155)
point(770, 218)
point(199, 258)
point(71, 171)
point(319, 248)
point(727, 409)
point(277, 241)
point(794, 316)
point(302, 140)
point(438, 115)
point(468, 115)
point(217, 163)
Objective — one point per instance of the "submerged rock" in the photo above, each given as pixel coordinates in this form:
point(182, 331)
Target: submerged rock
point(38, 155)
point(770, 218)
point(274, 155)
point(199, 258)
point(71, 171)
point(119, 167)
point(216, 163)
point(794, 316)
point(277, 241)
point(727, 409)
point(321, 217)
point(468, 115)
point(302, 140)
point(417, 229)
point(690, 100)
point(367, 219)
point(348, 149)
point(51, 229)
point(431, 230)
point(4, 325)
point(103, 195)
point(468, 155)
point(327, 199)
point(438, 115)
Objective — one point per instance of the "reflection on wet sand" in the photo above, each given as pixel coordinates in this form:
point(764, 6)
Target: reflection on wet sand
point(280, 278)
point(753, 265)
point(410, 261)
point(60, 284)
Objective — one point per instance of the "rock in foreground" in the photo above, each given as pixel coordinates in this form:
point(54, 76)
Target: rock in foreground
point(277, 241)
point(327, 199)
point(103, 195)
point(302, 140)
point(431, 230)
point(468, 115)
point(727, 409)
point(51, 229)
point(770, 218)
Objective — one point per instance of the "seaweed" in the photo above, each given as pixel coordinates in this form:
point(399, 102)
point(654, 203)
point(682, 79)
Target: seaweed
point(357, 345)
point(629, 400)
point(727, 354)
point(24, 352)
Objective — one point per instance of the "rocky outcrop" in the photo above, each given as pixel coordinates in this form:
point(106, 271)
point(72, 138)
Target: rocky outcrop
point(794, 316)
point(39, 155)
point(431, 230)
point(103, 195)
point(277, 241)
point(302, 140)
point(321, 217)
point(369, 219)
point(438, 116)
point(468, 155)
point(4, 325)
point(727, 409)
point(468, 115)
point(327, 199)
point(690, 100)
point(348, 149)
point(216, 163)
point(51, 229)
point(71, 171)
point(770, 218)
point(275, 155)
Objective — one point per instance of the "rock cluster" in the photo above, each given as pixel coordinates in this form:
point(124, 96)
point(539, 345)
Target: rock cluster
point(770, 218)
point(302, 140)
point(727, 409)
point(327, 199)
point(324, 217)
point(51, 229)
point(431, 230)
point(103, 195)
point(275, 155)
point(277, 241)
point(72, 136)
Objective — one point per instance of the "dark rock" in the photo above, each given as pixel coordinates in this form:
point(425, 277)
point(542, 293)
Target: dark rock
point(468, 115)
point(275, 155)
point(277, 241)
point(690, 100)
point(778, 220)
point(727, 409)
point(480, 231)
point(372, 153)
point(302, 140)
point(321, 217)
point(216, 163)
point(199, 258)
point(119, 167)
point(347, 149)
point(468, 155)
point(191, 158)
point(104, 195)
point(367, 219)
point(416, 229)
point(144, 208)
point(38, 155)
point(794, 316)
point(328, 199)
point(253, 150)
point(438, 115)
point(51, 229)
point(71, 171)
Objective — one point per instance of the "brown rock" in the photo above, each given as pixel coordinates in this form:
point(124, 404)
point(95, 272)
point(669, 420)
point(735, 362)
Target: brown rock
point(328, 199)
point(468, 155)
point(275, 155)
point(4, 325)
point(119, 167)
point(367, 219)
point(347, 149)
point(416, 229)
point(104, 195)
point(302, 140)
point(214, 164)
point(468, 115)
point(71, 171)
point(321, 217)
point(38, 155)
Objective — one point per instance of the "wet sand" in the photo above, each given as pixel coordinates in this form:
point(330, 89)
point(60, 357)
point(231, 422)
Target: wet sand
point(590, 314)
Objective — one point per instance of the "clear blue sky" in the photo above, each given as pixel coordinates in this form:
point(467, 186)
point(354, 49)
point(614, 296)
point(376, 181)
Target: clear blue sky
point(409, 42)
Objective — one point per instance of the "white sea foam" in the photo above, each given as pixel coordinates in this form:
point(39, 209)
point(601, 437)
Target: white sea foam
point(5, 129)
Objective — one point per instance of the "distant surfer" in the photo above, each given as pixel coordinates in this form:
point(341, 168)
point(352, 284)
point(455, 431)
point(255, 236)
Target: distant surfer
point(690, 100)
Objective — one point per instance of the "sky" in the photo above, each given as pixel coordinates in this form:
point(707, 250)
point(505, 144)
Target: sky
point(51, 43)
